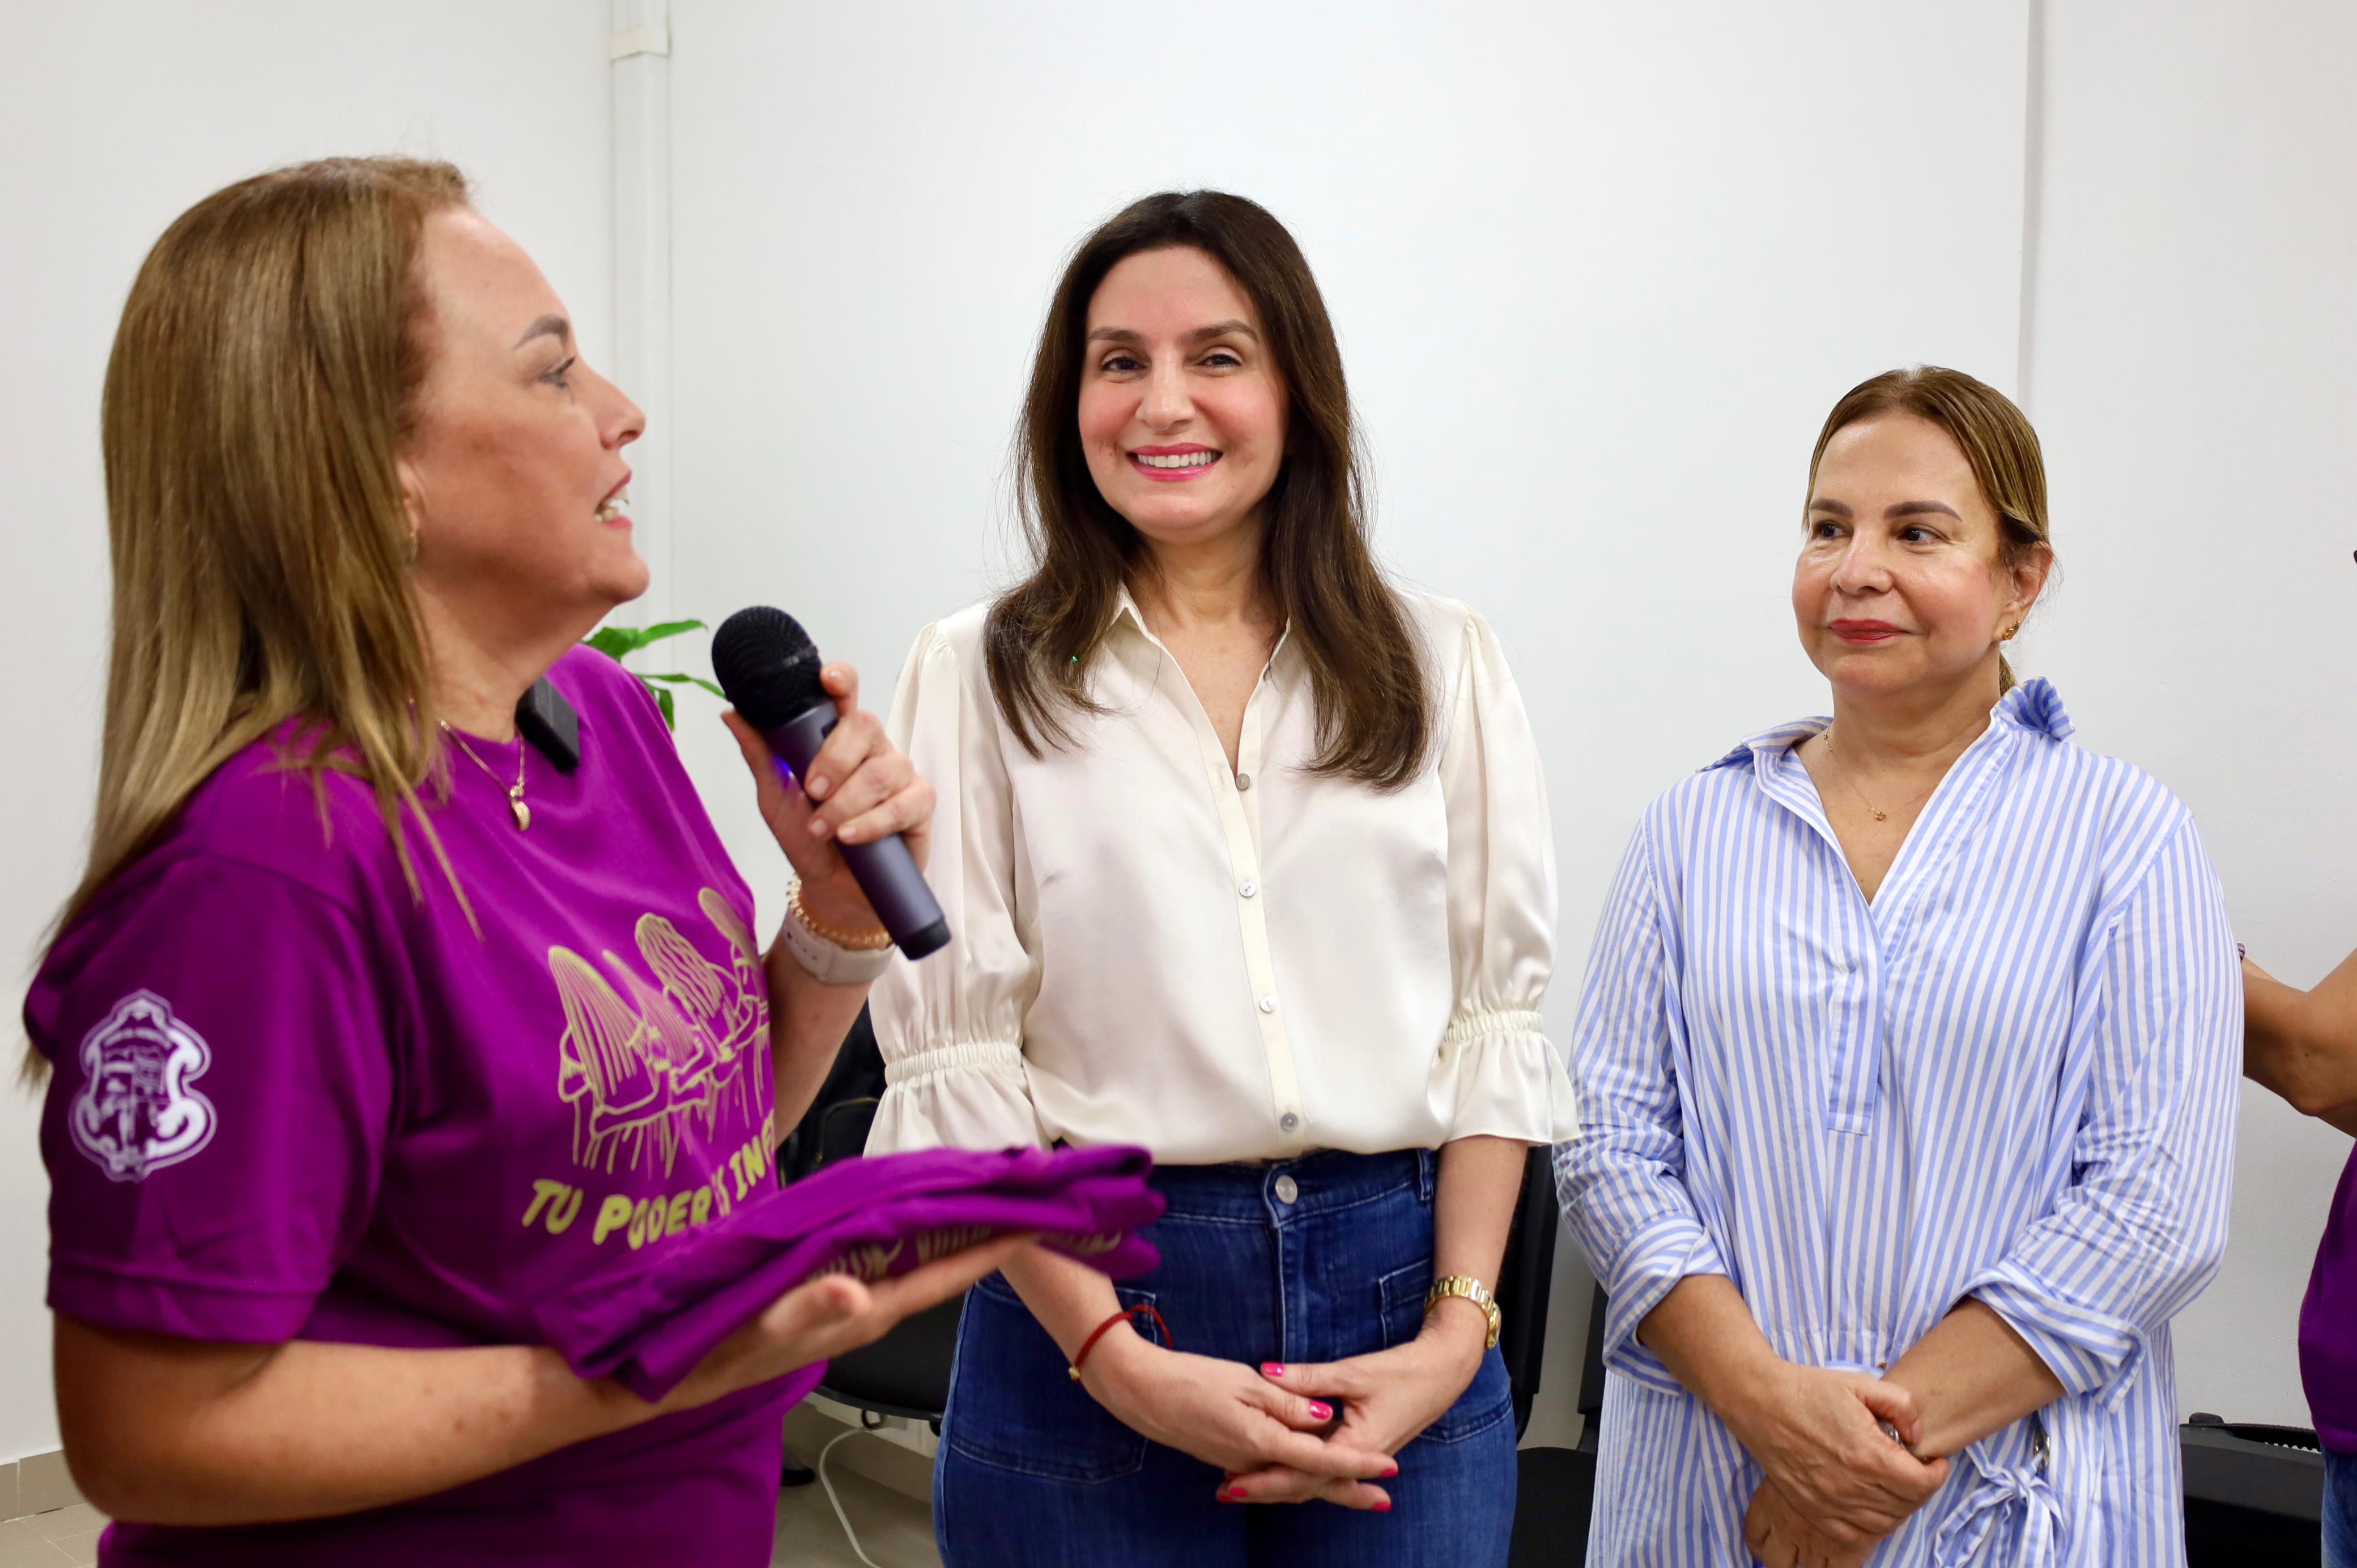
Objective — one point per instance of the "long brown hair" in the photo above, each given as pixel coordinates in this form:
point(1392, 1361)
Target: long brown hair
point(263, 379)
point(1996, 438)
point(1366, 671)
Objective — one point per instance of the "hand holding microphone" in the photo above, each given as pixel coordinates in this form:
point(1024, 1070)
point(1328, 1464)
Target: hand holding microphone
point(861, 810)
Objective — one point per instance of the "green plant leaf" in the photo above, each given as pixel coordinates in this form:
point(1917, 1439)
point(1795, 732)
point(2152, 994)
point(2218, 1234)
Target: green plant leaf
point(688, 680)
point(615, 641)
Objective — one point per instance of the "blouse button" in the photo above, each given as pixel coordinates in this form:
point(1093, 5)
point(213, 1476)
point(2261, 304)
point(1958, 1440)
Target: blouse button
point(1288, 1121)
point(1269, 1004)
point(1248, 888)
point(1288, 1190)
point(1243, 781)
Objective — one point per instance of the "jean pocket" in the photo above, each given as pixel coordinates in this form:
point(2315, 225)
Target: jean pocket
point(1015, 1406)
point(1488, 1400)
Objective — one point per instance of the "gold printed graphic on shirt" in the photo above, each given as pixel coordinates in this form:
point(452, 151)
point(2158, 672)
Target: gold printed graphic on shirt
point(640, 1061)
point(871, 1260)
point(940, 1243)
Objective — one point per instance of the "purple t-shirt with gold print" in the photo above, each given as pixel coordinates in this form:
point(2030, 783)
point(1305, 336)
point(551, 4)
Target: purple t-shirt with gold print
point(294, 1100)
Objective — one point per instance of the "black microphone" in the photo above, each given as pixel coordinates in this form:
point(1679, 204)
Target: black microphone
point(768, 668)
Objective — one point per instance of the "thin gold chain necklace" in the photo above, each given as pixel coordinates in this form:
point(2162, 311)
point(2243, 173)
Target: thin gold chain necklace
point(1879, 814)
point(515, 796)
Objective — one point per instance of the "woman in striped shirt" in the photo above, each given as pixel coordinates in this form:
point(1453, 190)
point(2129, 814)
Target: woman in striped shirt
point(1907, 1056)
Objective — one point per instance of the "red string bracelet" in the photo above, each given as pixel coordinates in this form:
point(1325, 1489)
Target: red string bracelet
point(1102, 1330)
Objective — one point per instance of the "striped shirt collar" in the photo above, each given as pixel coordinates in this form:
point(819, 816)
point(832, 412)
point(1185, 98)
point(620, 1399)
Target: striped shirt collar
point(2034, 707)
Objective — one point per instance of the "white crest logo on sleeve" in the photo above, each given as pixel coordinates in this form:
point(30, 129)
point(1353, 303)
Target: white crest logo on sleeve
point(135, 1112)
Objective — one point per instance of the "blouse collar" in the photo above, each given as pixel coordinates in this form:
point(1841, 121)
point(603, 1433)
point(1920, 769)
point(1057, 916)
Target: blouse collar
point(1125, 607)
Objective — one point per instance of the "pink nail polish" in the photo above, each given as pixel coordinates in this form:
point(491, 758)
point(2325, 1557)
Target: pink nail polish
point(1271, 1369)
point(1390, 1472)
point(1383, 1507)
point(1321, 1409)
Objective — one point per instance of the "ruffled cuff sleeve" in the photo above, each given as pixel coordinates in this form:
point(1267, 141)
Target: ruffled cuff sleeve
point(951, 1025)
point(1504, 1077)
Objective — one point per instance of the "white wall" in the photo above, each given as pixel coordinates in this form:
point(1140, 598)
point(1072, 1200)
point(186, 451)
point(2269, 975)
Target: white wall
point(2195, 323)
point(1600, 270)
point(117, 114)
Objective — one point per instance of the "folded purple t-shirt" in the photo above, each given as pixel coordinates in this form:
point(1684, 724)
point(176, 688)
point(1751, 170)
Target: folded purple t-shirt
point(648, 1325)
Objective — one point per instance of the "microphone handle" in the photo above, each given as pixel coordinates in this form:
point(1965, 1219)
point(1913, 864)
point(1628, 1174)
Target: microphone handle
point(884, 869)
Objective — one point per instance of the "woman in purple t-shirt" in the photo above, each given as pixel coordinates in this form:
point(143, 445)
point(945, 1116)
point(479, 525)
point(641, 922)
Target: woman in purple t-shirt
point(371, 1026)
point(2303, 1046)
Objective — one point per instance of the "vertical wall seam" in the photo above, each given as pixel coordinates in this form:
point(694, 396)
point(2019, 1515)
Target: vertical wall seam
point(2033, 178)
point(639, 48)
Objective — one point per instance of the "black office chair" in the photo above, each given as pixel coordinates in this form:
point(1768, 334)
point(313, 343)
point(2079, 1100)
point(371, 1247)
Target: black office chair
point(1525, 1279)
point(2253, 1494)
point(1556, 1488)
point(905, 1374)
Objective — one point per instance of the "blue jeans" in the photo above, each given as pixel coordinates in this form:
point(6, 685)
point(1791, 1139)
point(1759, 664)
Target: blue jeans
point(2340, 1509)
point(1034, 1472)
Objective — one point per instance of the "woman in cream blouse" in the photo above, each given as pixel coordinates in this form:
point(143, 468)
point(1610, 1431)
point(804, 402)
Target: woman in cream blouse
point(1248, 856)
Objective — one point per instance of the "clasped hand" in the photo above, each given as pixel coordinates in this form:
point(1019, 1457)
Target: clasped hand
point(1277, 1434)
point(1267, 1434)
point(1836, 1485)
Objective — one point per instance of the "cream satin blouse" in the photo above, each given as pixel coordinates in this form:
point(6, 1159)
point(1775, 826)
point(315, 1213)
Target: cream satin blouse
point(1149, 949)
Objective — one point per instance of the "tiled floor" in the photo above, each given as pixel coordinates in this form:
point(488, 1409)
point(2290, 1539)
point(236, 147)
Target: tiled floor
point(54, 1540)
point(896, 1530)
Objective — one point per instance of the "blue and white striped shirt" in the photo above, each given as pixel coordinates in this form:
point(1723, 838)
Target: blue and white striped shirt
point(2012, 1077)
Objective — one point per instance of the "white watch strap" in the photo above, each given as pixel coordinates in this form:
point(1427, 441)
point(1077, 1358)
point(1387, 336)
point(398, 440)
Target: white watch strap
point(828, 963)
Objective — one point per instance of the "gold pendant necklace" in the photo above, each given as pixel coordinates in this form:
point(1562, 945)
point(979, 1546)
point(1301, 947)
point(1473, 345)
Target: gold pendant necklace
point(516, 808)
point(1879, 815)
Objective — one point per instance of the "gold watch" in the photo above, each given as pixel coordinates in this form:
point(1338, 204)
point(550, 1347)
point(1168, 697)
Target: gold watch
point(1472, 1290)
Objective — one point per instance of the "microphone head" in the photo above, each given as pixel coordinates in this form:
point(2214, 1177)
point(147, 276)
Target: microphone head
point(767, 666)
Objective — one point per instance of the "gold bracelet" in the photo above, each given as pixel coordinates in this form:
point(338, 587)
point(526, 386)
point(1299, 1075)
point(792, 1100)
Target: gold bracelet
point(874, 941)
point(1472, 1290)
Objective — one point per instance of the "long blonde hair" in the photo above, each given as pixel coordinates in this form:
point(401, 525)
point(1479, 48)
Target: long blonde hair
point(1998, 443)
point(264, 379)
